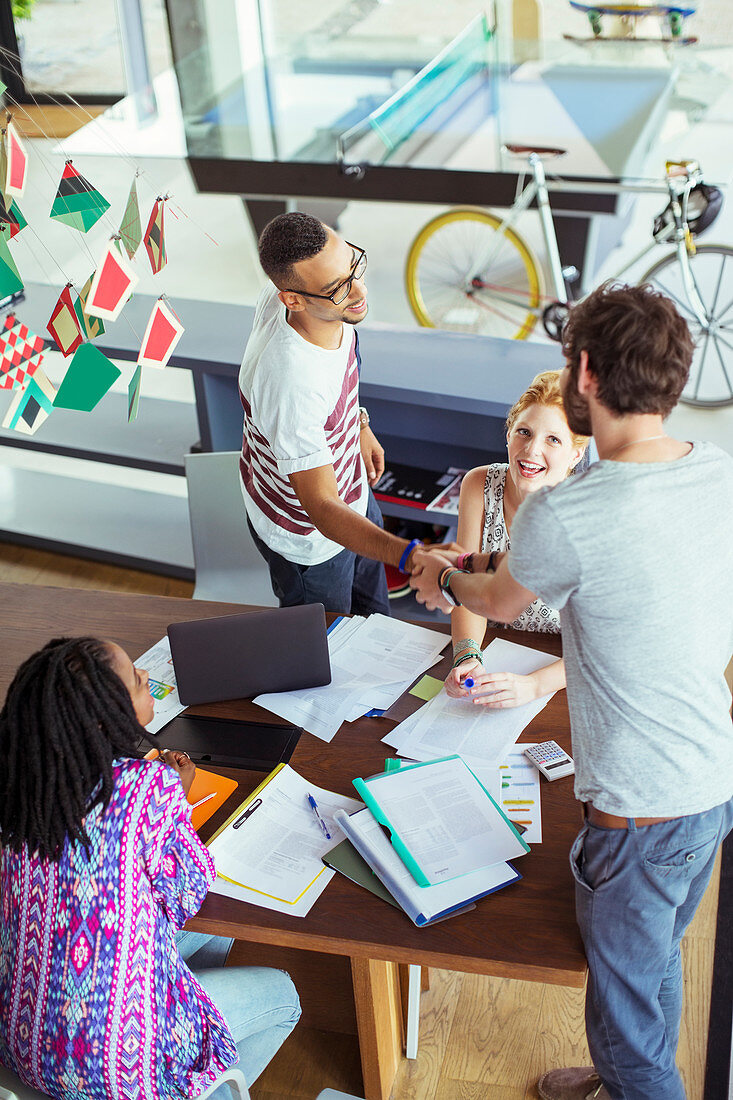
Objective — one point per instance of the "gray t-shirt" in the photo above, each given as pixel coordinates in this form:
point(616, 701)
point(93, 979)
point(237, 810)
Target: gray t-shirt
point(638, 558)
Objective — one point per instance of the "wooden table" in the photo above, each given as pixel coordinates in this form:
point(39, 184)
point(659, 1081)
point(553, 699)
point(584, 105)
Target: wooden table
point(525, 931)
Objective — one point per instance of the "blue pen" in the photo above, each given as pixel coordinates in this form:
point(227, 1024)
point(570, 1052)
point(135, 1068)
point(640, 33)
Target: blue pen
point(468, 682)
point(319, 819)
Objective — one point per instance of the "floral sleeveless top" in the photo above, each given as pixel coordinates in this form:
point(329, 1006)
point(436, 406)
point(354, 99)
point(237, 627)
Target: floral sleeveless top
point(538, 616)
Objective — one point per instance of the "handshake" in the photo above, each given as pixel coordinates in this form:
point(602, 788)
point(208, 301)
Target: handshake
point(431, 568)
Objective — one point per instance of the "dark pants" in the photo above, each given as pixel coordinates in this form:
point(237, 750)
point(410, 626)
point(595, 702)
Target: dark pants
point(346, 583)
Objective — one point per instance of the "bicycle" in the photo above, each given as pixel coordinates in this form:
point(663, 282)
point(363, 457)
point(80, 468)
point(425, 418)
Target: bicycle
point(470, 271)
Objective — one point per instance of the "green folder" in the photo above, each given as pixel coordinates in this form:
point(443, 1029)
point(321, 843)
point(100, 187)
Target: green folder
point(345, 858)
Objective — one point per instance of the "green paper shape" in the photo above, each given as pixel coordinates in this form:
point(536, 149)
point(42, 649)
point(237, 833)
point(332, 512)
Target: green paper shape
point(427, 688)
point(87, 380)
point(10, 280)
point(77, 202)
point(131, 230)
point(3, 164)
point(91, 326)
point(133, 394)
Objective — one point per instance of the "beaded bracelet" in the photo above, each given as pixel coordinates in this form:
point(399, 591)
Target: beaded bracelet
point(471, 655)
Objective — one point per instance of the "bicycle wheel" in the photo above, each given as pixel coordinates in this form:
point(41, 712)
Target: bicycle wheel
point(448, 289)
point(711, 375)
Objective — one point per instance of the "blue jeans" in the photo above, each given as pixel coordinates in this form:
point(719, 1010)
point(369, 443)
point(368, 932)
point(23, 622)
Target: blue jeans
point(636, 891)
point(347, 583)
point(259, 1004)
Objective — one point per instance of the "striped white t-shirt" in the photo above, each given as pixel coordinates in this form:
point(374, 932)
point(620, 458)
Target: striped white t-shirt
point(301, 411)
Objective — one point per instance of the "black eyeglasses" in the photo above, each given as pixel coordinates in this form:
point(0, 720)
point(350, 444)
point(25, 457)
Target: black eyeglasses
point(343, 290)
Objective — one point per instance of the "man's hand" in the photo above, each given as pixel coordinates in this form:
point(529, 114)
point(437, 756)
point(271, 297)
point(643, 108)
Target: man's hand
point(373, 454)
point(426, 567)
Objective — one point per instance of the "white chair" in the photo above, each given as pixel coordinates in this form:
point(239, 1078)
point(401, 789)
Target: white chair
point(228, 565)
point(237, 1084)
point(333, 1094)
point(12, 1088)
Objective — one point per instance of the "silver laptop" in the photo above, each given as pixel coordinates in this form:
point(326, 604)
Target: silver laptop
point(238, 656)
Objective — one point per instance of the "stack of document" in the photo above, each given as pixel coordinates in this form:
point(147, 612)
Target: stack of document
point(270, 851)
point(479, 735)
point(373, 662)
point(449, 841)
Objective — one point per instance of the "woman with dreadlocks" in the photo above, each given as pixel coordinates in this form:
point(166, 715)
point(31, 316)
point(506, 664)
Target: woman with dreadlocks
point(99, 869)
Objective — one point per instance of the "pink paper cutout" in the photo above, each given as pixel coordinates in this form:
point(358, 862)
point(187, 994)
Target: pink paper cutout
point(161, 336)
point(114, 281)
point(17, 162)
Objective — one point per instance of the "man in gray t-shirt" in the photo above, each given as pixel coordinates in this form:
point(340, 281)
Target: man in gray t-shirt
point(637, 555)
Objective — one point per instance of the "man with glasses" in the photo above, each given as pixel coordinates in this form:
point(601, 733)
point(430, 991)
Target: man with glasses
point(309, 456)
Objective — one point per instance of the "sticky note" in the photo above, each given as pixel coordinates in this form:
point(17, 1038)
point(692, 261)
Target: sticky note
point(427, 688)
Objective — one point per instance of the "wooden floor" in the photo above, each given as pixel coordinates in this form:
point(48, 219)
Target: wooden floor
point(479, 1037)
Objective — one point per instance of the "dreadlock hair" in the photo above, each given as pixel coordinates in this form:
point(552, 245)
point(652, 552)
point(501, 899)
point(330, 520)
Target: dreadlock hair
point(66, 717)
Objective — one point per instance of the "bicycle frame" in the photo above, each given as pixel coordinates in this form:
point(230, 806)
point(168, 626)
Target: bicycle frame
point(537, 190)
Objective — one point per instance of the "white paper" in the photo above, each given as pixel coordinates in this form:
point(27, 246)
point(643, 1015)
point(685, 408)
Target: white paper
point(390, 651)
point(444, 818)
point(301, 907)
point(163, 687)
point(481, 736)
point(418, 902)
point(373, 662)
point(275, 846)
point(515, 785)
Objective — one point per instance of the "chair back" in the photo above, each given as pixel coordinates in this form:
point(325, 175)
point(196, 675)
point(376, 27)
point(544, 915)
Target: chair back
point(12, 1088)
point(228, 565)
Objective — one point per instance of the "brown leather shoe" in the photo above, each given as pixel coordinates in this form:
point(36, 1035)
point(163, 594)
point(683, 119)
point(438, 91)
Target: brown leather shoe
point(577, 1083)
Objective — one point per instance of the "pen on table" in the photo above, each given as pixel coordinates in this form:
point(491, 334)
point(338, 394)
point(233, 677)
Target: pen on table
point(206, 798)
point(314, 806)
point(250, 810)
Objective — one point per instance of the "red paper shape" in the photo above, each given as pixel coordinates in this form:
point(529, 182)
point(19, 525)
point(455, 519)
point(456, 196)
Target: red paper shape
point(17, 163)
point(64, 324)
point(161, 336)
point(112, 285)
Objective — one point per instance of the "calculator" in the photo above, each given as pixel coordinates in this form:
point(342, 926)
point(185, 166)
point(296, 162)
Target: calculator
point(551, 760)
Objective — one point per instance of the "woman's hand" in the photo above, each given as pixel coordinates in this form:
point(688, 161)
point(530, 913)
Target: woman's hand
point(507, 689)
point(182, 763)
point(456, 676)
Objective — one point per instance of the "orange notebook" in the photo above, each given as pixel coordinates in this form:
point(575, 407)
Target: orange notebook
point(205, 784)
point(208, 783)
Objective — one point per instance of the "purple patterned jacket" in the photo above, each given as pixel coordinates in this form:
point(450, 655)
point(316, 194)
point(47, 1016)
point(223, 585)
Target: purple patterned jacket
point(95, 1001)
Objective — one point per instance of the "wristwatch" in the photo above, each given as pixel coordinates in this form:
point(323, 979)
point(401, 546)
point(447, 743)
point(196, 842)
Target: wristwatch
point(363, 418)
point(444, 585)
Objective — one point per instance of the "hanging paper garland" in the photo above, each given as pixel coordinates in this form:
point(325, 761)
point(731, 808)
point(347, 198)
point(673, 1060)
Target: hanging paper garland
point(161, 336)
point(10, 280)
point(21, 353)
point(113, 283)
point(64, 324)
point(155, 238)
point(17, 170)
point(133, 394)
point(31, 405)
point(77, 202)
point(87, 380)
point(131, 230)
point(91, 326)
point(12, 216)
